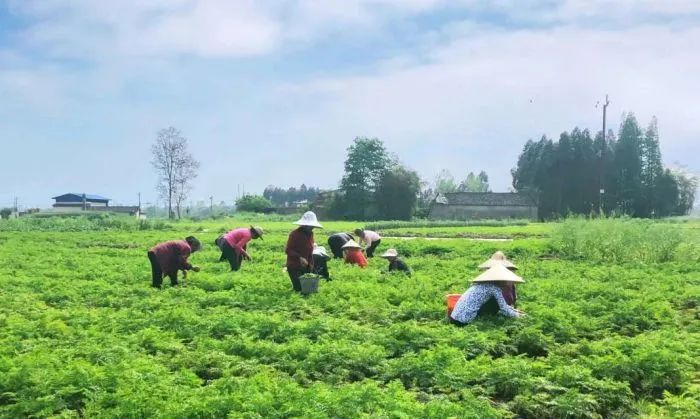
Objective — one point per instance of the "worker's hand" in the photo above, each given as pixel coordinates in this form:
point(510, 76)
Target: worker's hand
point(303, 262)
point(195, 268)
point(184, 274)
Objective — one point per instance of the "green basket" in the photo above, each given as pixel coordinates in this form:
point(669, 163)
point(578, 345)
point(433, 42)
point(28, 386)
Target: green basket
point(309, 283)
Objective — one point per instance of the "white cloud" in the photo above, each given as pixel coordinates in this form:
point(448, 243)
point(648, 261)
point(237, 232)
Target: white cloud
point(476, 100)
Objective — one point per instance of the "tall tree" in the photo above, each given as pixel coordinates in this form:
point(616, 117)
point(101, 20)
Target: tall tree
point(628, 164)
point(397, 193)
point(445, 182)
point(652, 169)
point(175, 166)
point(475, 183)
point(365, 166)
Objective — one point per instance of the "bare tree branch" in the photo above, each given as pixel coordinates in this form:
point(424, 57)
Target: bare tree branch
point(175, 166)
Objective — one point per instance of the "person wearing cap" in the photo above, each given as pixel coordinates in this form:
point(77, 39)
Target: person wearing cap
point(337, 241)
point(320, 259)
point(486, 286)
point(396, 264)
point(300, 247)
point(235, 244)
point(370, 239)
point(353, 254)
point(509, 294)
point(169, 257)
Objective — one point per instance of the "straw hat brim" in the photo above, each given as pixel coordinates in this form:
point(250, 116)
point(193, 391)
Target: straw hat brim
point(498, 273)
point(304, 223)
point(389, 254)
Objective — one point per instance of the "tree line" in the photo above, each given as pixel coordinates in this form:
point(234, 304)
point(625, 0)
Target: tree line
point(620, 174)
point(576, 174)
point(284, 197)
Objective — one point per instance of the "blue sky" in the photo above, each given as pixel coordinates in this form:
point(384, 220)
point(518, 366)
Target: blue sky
point(273, 92)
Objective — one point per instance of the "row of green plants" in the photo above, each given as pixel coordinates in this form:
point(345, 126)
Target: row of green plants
point(84, 335)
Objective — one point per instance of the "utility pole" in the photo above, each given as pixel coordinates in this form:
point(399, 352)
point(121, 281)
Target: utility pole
point(16, 211)
point(139, 201)
point(211, 205)
point(602, 157)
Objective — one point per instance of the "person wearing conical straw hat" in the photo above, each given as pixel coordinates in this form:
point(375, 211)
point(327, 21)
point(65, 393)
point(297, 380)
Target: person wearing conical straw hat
point(484, 287)
point(396, 264)
point(499, 258)
point(321, 257)
point(300, 248)
point(234, 245)
point(353, 254)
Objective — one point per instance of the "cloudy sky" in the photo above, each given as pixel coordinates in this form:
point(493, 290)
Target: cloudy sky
point(272, 92)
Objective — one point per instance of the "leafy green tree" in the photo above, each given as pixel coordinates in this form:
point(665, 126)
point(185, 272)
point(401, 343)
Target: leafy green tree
point(366, 164)
point(445, 182)
point(628, 166)
point(5, 213)
point(253, 203)
point(652, 170)
point(475, 183)
point(687, 187)
point(397, 193)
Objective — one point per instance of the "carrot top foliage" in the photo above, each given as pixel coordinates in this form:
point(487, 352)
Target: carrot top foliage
point(611, 331)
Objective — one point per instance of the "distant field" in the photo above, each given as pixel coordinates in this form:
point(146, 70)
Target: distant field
point(613, 327)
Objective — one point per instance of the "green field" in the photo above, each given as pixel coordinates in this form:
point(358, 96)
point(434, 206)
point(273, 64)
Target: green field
point(613, 327)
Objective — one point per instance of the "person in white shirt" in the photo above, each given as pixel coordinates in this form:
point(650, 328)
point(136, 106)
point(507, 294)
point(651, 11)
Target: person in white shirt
point(370, 239)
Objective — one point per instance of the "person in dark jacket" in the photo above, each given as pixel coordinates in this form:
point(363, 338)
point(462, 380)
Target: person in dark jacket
point(396, 264)
point(321, 258)
point(170, 257)
point(300, 247)
point(337, 241)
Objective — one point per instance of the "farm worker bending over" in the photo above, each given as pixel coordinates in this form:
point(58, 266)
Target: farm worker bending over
point(336, 242)
point(320, 264)
point(235, 243)
point(487, 285)
point(370, 239)
point(300, 247)
point(353, 254)
point(508, 290)
point(396, 264)
point(169, 257)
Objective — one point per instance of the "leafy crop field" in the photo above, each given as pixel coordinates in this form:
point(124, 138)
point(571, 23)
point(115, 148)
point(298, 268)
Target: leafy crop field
point(82, 333)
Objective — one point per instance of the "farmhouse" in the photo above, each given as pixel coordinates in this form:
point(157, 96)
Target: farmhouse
point(481, 205)
point(80, 201)
point(89, 202)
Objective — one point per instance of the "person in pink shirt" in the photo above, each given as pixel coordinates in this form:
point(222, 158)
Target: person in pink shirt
point(370, 239)
point(234, 245)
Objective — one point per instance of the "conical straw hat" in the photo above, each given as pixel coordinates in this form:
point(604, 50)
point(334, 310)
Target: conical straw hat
point(390, 253)
point(497, 258)
point(351, 244)
point(498, 273)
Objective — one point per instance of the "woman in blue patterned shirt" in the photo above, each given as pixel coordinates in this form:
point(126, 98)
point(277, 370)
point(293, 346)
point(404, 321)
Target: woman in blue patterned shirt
point(486, 286)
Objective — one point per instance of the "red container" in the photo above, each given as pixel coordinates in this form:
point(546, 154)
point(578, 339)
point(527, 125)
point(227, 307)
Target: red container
point(451, 302)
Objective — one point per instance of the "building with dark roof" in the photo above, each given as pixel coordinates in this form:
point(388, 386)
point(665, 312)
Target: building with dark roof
point(482, 205)
point(80, 201)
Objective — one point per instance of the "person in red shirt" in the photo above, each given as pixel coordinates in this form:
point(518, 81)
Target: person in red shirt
point(354, 255)
point(300, 248)
point(234, 245)
point(169, 257)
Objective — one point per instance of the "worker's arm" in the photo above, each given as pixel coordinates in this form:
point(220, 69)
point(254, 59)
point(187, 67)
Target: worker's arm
point(505, 309)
